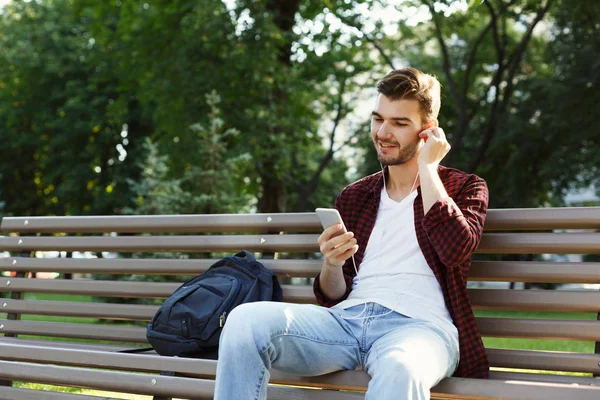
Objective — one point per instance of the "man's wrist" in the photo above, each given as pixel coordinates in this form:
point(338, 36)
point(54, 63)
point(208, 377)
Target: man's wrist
point(425, 167)
point(330, 266)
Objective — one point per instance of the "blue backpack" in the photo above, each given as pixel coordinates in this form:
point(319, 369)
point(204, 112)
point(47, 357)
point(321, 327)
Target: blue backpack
point(190, 321)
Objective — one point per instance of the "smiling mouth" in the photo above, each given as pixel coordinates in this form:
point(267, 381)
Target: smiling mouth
point(386, 145)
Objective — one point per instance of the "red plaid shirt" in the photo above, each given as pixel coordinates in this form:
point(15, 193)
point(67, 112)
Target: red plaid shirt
point(447, 235)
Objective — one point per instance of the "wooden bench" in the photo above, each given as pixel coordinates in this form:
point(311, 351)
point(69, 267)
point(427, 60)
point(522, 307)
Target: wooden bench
point(27, 354)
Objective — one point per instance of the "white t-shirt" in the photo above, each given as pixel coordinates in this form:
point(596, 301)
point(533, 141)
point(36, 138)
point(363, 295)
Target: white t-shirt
point(394, 272)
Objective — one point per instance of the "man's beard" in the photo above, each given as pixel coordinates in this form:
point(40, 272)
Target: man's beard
point(405, 154)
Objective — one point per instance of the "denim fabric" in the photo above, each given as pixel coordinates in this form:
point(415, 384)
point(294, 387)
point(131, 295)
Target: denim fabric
point(405, 357)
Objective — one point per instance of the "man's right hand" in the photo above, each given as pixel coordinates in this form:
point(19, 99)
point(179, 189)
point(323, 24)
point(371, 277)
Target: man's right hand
point(337, 246)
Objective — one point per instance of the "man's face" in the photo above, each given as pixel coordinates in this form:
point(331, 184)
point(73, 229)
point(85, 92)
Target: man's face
point(395, 126)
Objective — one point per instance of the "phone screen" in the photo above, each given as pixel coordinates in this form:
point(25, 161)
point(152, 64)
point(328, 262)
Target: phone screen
point(329, 217)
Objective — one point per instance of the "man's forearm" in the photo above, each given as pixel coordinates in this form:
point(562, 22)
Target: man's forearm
point(432, 188)
point(332, 282)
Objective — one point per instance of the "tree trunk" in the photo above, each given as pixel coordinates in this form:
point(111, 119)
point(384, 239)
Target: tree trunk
point(273, 198)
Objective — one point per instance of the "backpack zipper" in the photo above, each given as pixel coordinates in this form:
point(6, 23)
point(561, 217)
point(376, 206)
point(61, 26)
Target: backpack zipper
point(222, 319)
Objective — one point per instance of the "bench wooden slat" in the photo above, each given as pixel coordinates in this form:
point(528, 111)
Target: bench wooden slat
point(539, 328)
point(148, 384)
point(497, 219)
point(295, 222)
point(488, 299)
point(297, 294)
point(491, 243)
point(71, 330)
point(88, 287)
point(11, 393)
point(496, 271)
point(539, 243)
point(545, 360)
point(203, 243)
point(69, 345)
point(543, 218)
point(107, 380)
point(79, 309)
point(463, 388)
point(197, 368)
point(126, 266)
point(496, 327)
point(550, 378)
point(535, 271)
point(535, 300)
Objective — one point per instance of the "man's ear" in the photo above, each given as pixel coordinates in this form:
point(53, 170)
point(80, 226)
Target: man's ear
point(432, 124)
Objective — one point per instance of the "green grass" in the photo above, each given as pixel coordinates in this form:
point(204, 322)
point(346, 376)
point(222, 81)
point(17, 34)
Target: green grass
point(88, 392)
point(57, 297)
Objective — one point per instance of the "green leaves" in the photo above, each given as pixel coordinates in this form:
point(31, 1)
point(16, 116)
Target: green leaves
point(84, 84)
point(503, 108)
point(209, 183)
point(55, 114)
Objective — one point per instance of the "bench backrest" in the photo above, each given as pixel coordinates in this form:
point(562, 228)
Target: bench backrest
point(119, 246)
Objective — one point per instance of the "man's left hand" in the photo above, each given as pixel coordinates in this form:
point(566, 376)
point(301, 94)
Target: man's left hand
point(436, 147)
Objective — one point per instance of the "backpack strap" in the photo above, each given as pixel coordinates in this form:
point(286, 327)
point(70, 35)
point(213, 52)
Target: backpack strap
point(277, 292)
point(136, 350)
point(246, 254)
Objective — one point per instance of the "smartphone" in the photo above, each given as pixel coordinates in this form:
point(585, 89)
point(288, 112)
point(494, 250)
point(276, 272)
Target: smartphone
point(330, 216)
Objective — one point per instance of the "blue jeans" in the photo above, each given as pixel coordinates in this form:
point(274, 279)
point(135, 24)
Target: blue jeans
point(405, 357)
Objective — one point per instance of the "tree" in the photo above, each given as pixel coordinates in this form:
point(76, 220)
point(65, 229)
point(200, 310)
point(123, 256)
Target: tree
point(497, 61)
point(275, 81)
point(287, 74)
point(209, 185)
point(62, 119)
point(561, 100)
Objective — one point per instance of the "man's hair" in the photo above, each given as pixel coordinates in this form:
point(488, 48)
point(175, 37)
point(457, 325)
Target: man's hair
point(411, 84)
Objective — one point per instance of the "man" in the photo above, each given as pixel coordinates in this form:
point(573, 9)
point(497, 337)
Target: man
point(394, 285)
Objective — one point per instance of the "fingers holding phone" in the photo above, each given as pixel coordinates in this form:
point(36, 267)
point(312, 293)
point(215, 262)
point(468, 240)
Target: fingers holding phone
point(336, 244)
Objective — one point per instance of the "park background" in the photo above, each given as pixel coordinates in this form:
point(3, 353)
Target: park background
point(210, 106)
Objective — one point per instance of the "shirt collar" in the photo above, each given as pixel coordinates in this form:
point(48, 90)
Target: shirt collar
point(376, 184)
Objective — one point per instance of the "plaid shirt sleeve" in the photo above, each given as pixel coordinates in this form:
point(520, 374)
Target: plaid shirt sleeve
point(347, 269)
point(454, 225)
